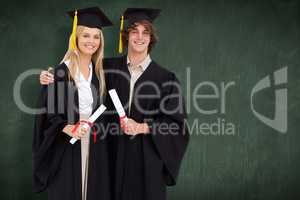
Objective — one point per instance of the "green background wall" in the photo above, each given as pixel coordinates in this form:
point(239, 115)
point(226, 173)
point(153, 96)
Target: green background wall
point(218, 41)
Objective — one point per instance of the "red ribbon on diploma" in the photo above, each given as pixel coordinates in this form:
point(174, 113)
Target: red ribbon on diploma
point(122, 121)
point(122, 118)
point(91, 125)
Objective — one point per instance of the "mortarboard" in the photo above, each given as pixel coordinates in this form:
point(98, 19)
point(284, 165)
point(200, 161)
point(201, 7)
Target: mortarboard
point(92, 17)
point(138, 14)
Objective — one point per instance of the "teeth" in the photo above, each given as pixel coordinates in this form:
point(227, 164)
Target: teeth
point(89, 46)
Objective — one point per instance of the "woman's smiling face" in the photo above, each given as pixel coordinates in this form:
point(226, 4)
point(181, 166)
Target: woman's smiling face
point(89, 41)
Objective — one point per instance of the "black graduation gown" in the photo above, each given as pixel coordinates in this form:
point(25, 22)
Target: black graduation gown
point(146, 164)
point(56, 162)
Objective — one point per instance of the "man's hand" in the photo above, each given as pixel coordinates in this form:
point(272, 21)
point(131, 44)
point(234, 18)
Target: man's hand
point(131, 127)
point(46, 78)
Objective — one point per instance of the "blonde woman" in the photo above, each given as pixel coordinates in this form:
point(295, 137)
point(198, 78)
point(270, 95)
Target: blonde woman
point(65, 170)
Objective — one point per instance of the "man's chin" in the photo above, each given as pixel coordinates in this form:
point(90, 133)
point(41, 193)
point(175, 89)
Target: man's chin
point(140, 51)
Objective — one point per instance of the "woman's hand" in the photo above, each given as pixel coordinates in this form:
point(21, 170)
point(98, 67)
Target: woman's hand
point(46, 78)
point(80, 132)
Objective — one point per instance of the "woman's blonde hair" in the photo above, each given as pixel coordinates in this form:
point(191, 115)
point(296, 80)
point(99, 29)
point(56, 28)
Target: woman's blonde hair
point(97, 58)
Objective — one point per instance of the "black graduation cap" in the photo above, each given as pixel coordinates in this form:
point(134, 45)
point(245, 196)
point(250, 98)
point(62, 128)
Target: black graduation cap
point(134, 15)
point(138, 14)
point(92, 17)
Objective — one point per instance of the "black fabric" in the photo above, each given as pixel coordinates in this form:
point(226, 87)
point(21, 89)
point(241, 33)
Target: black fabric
point(146, 164)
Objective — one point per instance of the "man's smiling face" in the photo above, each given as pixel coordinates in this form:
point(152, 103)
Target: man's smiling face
point(138, 39)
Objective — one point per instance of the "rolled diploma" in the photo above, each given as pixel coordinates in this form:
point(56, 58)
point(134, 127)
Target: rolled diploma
point(91, 119)
point(118, 105)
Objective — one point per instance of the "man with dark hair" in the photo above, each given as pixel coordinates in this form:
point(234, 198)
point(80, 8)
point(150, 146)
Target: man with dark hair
point(148, 153)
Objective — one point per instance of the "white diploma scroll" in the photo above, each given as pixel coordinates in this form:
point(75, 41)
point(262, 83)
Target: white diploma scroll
point(118, 105)
point(91, 119)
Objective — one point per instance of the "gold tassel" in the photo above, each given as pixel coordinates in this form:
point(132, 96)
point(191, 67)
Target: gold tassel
point(120, 36)
point(73, 36)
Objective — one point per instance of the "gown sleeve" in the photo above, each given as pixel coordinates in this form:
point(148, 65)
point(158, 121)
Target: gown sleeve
point(171, 143)
point(49, 143)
